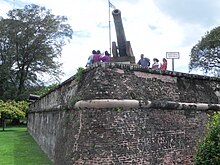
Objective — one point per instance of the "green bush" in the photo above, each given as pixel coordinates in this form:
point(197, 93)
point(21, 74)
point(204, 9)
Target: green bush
point(79, 74)
point(208, 152)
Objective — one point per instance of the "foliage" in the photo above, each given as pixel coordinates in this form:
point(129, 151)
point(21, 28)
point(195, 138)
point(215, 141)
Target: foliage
point(12, 110)
point(31, 42)
point(209, 148)
point(71, 102)
point(118, 109)
point(19, 148)
point(79, 74)
point(205, 55)
point(74, 100)
point(45, 89)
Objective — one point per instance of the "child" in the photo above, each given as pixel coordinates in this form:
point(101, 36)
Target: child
point(155, 64)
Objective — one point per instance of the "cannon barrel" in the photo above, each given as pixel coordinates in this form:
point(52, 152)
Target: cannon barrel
point(123, 52)
point(119, 32)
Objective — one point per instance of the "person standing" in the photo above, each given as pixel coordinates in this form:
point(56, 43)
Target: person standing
point(144, 62)
point(164, 65)
point(155, 65)
point(90, 59)
point(105, 57)
point(97, 56)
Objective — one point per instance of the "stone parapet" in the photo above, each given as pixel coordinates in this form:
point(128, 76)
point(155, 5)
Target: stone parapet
point(135, 67)
point(124, 114)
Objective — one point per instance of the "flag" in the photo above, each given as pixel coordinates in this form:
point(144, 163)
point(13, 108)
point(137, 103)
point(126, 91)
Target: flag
point(111, 5)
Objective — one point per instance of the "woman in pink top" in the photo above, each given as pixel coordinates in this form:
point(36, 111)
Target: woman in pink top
point(164, 65)
point(97, 57)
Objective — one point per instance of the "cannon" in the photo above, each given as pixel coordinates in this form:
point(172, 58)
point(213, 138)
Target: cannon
point(123, 52)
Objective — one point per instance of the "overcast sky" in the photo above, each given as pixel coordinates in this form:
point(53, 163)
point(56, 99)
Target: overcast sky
point(153, 27)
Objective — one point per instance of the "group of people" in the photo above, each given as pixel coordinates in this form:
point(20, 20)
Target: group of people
point(97, 56)
point(145, 63)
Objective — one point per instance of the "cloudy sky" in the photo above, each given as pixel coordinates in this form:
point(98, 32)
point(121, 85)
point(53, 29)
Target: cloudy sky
point(153, 27)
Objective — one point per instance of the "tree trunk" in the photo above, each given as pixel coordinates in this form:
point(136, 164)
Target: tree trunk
point(15, 121)
point(3, 124)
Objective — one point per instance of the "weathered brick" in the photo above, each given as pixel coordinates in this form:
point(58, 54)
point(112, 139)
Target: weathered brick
point(119, 135)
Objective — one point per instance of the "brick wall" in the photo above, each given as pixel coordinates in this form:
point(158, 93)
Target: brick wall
point(119, 135)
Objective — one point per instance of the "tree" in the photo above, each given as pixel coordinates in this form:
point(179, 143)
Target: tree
point(12, 110)
point(31, 42)
point(209, 148)
point(205, 55)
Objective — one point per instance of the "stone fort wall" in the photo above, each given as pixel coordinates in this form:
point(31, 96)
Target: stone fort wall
point(111, 133)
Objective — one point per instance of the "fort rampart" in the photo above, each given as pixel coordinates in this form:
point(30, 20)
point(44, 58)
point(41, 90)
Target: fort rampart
point(124, 114)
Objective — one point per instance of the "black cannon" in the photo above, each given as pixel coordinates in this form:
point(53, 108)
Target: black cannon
point(123, 52)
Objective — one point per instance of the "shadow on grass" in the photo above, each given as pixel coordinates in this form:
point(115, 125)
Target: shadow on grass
point(12, 129)
point(7, 130)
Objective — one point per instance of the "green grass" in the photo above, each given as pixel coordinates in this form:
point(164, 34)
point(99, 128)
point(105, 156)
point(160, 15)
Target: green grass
point(17, 147)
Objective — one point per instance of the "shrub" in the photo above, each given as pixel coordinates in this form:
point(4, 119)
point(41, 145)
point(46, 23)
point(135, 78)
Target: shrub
point(79, 74)
point(208, 152)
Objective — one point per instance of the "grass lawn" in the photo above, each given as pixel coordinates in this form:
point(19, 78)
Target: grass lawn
point(17, 147)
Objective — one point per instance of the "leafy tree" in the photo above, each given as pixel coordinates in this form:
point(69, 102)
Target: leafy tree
point(12, 110)
point(205, 55)
point(31, 42)
point(209, 148)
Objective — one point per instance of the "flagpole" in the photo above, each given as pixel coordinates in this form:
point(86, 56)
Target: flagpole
point(109, 28)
